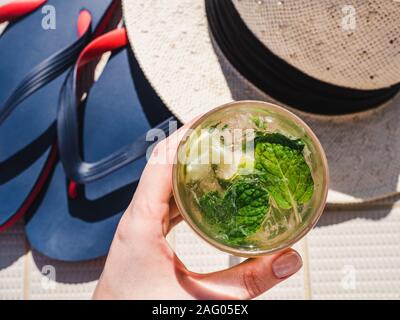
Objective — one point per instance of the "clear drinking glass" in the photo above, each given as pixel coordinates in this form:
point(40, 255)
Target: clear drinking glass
point(253, 217)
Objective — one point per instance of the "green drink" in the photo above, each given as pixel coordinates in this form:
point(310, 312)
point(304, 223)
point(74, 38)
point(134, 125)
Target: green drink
point(250, 178)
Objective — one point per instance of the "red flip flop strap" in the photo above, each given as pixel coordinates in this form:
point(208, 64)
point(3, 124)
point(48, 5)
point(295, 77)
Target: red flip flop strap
point(114, 13)
point(17, 9)
point(110, 41)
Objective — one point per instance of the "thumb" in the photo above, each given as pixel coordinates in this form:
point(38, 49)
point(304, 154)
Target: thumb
point(254, 276)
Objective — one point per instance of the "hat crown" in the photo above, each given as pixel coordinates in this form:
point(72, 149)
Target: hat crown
point(354, 45)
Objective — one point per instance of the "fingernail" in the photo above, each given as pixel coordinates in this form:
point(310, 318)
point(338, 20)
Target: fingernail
point(286, 264)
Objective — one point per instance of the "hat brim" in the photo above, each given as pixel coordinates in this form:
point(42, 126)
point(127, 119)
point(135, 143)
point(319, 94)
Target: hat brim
point(173, 46)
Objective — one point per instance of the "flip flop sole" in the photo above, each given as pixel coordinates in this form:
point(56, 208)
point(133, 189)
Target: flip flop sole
point(26, 136)
point(82, 228)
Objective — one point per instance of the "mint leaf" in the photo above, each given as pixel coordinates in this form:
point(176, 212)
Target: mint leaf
point(285, 174)
point(212, 207)
point(278, 138)
point(248, 202)
point(265, 199)
point(237, 213)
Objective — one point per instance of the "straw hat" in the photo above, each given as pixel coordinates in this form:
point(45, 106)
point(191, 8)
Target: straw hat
point(352, 47)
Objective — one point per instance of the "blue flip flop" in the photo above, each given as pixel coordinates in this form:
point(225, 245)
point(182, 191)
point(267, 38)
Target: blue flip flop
point(36, 49)
point(80, 208)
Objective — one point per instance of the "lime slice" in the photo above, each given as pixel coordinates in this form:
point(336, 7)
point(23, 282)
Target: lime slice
point(208, 153)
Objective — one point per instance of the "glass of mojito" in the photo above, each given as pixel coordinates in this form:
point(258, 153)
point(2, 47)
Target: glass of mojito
point(250, 177)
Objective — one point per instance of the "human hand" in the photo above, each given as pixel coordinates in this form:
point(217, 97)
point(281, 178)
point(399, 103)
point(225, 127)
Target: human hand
point(141, 265)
